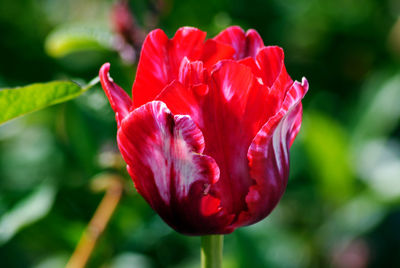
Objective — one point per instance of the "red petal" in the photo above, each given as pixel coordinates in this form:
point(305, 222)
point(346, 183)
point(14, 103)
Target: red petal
point(236, 38)
point(229, 115)
point(191, 73)
point(237, 89)
point(184, 97)
point(190, 133)
point(160, 60)
point(245, 44)
point(270, 61)
point(119, 100)
point(268, 157)
point(251, 63)
point(254, 43)
point(295, 92)
point(187, 42)
point(214, 52)
point(152, 73)
point(235, 93)
point(182, 100)
point(233, 81)
point(270, 70)
point(210, 205)
point(163, 153)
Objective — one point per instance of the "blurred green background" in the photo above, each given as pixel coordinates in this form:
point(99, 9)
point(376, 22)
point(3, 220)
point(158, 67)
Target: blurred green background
point(342, 205)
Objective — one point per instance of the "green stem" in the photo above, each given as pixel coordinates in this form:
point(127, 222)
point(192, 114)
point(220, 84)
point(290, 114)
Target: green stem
point(211, 251)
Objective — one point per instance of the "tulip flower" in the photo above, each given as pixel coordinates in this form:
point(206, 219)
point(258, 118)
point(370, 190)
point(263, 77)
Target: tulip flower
point(207, 132)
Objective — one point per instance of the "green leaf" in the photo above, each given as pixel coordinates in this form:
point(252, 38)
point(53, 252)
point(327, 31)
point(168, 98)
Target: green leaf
point(326, 143)
point(375, 142)
point(379, 110)
point(27, 211)
point(18, 101)
point(67, 39)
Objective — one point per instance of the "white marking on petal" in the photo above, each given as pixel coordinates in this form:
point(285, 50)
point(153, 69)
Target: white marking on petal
point(227, 88)
point(187, 172)
point(159, 165)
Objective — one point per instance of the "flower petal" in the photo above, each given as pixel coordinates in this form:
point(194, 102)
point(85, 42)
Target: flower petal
point(163, 153)
point(230, 114)
point(270, 70)
point(268, 157)
point(254, 43)
point(152, 73)
point(236, 38)
point(184, 96)
point(160, 60)
point(252, 64)
point(227, 129)
point(120, 101)
point(214, 51)
point(270, 61)
point(245, 44)
point(191, 73)
point(187, 42)
point(237, 92)
point(182, 100)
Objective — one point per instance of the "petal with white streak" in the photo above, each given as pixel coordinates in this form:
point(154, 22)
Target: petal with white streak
point(163, 153)
point(120, 101)
point(268, 157)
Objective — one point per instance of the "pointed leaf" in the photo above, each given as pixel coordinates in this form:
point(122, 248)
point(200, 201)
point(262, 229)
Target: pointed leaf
point(71, 38)
point(15, 102)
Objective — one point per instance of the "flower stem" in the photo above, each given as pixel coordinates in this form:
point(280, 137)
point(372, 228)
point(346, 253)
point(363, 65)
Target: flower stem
point(211, 251)
point(114, 189)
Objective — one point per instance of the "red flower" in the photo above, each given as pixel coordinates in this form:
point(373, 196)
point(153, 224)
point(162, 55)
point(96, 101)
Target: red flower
point(207, 133)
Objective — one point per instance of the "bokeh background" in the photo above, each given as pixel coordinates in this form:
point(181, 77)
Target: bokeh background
point(342, 204)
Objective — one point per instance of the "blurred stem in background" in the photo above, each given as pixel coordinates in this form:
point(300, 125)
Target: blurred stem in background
point(211, 251)
point(114, 188)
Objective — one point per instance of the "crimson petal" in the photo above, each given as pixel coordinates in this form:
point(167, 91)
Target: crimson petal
point(152, 72)
point(163, 153)
point(187, 42)
point(230, 114)
point(214, 51)
point(268, 157)
point(191, 73)
point(185, 95)
point(160, 60)
point(254, 43)
point(245, 44)
point(270, 60)
point(119, 100)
